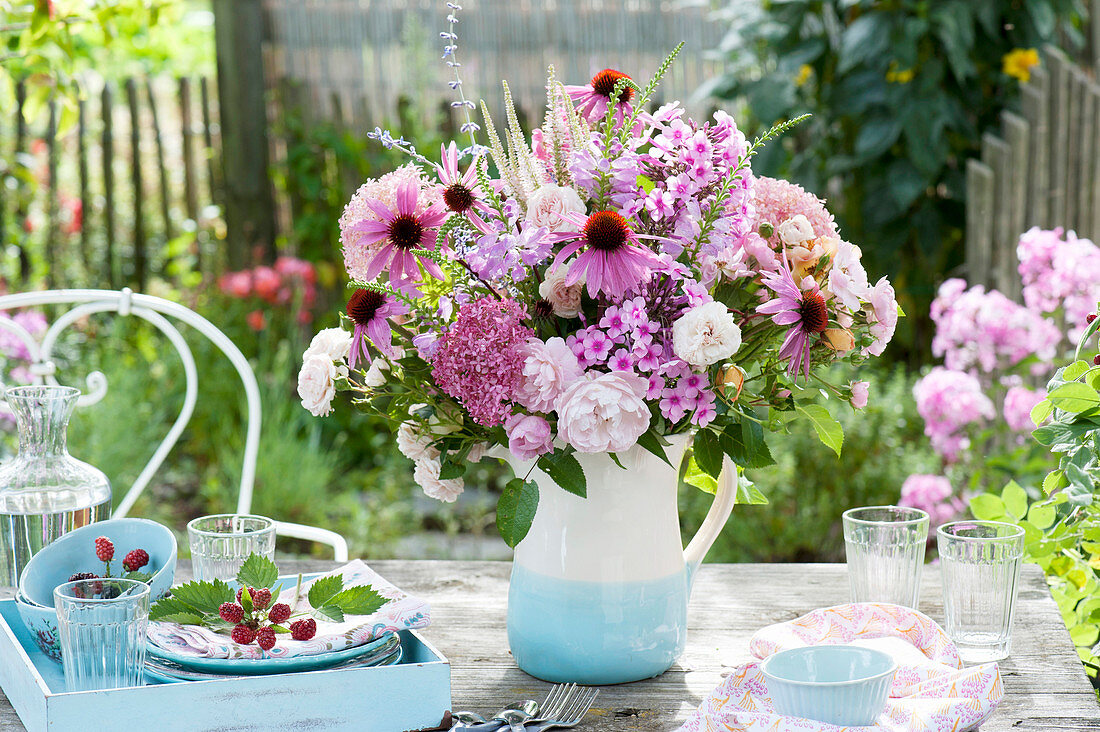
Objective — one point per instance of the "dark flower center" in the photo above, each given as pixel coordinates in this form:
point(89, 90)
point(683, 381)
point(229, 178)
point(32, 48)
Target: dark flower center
point(606, 231)
point(406, 231)
point(458, 198)
point(543, 310)
point(604, 82)
point(364, 304)
point(812, 311)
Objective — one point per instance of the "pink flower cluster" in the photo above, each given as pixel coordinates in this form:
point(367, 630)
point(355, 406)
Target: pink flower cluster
point(1019, 401)
point(933, 495)
point(1060, 273)
point(288, 279)
point(479, 360)
point(949, 401)
point(986, 330)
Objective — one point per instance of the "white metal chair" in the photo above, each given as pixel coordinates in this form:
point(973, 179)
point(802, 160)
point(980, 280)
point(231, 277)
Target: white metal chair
point(154, 309)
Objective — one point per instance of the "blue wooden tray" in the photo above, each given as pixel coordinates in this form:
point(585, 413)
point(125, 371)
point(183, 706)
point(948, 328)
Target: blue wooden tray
point(409, 695)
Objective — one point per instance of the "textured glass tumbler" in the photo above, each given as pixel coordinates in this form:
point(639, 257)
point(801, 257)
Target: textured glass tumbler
point(221, 543)
point(884, 546)
point(980, 564)
point(101, 625)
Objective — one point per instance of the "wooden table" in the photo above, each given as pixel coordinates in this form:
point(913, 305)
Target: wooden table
point(1046, 688)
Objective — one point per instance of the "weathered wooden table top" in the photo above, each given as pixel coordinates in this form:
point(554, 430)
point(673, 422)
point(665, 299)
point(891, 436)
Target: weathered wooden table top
point(1046, 688)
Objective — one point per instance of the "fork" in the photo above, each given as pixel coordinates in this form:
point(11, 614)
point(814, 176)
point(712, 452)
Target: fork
point(571, 716)
point(557, 701)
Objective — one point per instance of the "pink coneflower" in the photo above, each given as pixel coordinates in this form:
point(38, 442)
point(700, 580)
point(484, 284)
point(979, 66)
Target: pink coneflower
point(591, 100)
point(371, 310)
point(399, 232)
point(805, 311)
point(612, 261)
point(459, 190)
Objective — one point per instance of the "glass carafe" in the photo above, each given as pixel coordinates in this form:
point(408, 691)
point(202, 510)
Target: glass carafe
point(44, 491)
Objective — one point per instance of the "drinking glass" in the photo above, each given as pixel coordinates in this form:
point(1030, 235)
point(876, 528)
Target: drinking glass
point(221, 543)
point(101, 624)
point(980, 564)
point(884, 546)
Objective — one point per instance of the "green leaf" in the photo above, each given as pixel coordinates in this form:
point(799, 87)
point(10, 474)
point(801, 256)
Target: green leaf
point(257, 571)
point(747, 492)
point(745, 444)
point(987, 507)
point(183, 617)
point(324, 589)
point(828, 429)
point(565, 470)
point(449, 469)
point(171, 606)
point(708, 452)
point(516, 510)
point(1075, 370)
point(204, 597)
point(1074, 397)
point(650, 443)
point(360, 600)
point(694, 476)
point(1041, 516)
point(329, 612)
point(646, 184)
point(1053, 481)
point(1041, 411)
point(1015, 500)
point(246, 600)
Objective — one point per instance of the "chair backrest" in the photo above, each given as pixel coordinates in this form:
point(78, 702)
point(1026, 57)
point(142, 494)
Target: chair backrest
point(153, 310)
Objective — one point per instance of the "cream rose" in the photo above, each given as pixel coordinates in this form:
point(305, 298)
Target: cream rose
point(426, 475)
point(706, 335)
point(548, 369)
point(332, 342)
point(605, 413)
point(412, 442)
point(317, 384)
point(546, 205)
point(565, 299)
point(795, 231)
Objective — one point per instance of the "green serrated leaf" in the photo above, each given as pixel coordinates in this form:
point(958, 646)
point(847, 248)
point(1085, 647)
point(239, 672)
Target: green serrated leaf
point(694, 476)
point(745, 444)
point(171, 606)
point(329, 612)
point(203, 597)
point(747, 492)
point(828, 429)
point(246, 600)
point(324, 589)
point(516, 510)
point(448, 470)
point(359, 600)
point(1075, 370)
point(257, 571)
point(707, 449)
point(183, 618)
point(1074, 397)
point(566, 471)
point(652, 444)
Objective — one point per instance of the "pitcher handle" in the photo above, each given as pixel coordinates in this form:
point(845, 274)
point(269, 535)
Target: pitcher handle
point(724, 498)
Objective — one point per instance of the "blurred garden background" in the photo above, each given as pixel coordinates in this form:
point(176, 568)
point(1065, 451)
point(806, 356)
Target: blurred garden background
point(203, 150)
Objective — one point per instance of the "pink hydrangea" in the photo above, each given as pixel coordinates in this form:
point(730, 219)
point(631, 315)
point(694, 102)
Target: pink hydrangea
point(479, 361)
point(1019, 401)
point(948, 401)
point(933, 495)
point(776, 200)
point(986, 330)
point(1059, 273)
point(11, 345)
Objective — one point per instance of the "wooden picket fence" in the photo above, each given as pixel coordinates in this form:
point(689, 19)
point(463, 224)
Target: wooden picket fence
point(113, 195)
point(1042, 170)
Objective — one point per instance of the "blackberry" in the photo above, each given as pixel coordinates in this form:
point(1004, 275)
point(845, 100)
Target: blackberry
point(83, 576)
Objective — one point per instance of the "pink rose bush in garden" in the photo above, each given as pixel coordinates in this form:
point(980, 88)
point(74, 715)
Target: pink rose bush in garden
point(623, 276)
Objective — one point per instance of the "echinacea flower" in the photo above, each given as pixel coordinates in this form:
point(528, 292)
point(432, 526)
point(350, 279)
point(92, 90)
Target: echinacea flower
point(805, 311)
point(591, 100)
point(371, 310)
point(460, 191)
point(398, 233)
point(612, 261)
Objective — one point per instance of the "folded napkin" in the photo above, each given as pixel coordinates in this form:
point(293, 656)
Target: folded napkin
point(400, 613)
point(931, 691)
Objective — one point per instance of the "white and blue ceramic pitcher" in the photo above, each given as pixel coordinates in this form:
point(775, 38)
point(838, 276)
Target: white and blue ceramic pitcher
point(600, 585)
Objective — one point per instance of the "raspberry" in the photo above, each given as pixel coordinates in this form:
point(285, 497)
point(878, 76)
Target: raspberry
point(135, 560)
point(261, 598)
point(303, 629)
point(280, 612)
point(231, 612)
point(104, 549)
point(83, 576)
point(239, 595)
point(243, 634)
point(265, 637)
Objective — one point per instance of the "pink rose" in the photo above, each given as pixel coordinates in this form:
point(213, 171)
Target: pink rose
point(528, 436)
point(317, 384)
point(605, 413)
point(236, 284)
point(548, 368)
point(860, 392)
point(564, 299)
point(883, 317)
point(546, 206)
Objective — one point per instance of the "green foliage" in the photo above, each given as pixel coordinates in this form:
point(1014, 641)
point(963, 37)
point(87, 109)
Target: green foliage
point(516, 510)
point(810, 487)
point(900, 93)
point(257, 571)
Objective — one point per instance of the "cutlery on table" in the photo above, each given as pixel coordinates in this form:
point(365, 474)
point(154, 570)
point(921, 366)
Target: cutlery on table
point(557, 702)
point(572, 716)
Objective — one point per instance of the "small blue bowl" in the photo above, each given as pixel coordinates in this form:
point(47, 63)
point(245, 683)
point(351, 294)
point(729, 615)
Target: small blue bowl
point(842, 685)
point(41, 623)
point(75, 552)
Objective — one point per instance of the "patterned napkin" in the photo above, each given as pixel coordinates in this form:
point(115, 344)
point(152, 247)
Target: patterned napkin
point(400, 613)
point(931, 691)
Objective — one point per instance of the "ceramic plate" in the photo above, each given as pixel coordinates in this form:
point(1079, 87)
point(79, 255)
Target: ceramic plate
point(167, 672)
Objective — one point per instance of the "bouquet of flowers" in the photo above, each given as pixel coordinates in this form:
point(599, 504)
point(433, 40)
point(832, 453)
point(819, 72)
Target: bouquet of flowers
point(615, 277)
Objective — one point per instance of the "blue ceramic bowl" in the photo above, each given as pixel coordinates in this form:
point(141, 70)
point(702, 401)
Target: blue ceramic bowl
point(75, 552)
point(41, 623)
point(842, 685)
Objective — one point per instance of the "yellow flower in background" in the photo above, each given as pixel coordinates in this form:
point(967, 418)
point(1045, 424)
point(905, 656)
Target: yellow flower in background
point(805, 71)
point(1019, 62)
point(899, 76)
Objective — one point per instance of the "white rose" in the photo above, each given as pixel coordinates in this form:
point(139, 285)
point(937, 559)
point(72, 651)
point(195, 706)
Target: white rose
point(546, 205)
point(477, 451)
point(795, 231)
point(606, 413)
point(706, 335)
point(548, 369)
point(376, 374)
point(565, 299)
point(426, 476)
point(316, 384)
point(332, 342)
point(412, 443)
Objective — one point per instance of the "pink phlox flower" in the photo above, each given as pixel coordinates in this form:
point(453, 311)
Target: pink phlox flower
point(672, 405)
point(648, 356)
point(659, 203)
point(949, 401)
point(633, 311)
point(932, 494)
point(704, 409)
point(656, 386)
point(596, 346)
point(622, 360)
point(1060, 274)
point(613, 322)
point(1019, 401)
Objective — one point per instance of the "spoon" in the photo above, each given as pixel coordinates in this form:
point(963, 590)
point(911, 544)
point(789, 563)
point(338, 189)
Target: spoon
point(517, 714)
point(468, 718)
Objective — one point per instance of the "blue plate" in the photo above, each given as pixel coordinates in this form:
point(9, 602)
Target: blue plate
point(168, 672)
